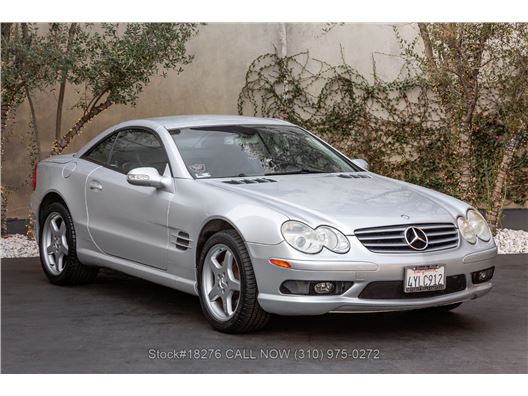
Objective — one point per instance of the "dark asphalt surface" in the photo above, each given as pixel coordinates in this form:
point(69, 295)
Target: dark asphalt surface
point(110, 326)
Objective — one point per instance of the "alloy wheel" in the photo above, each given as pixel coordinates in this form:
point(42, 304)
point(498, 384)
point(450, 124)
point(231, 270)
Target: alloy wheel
point(221, 282)
point(54, 243)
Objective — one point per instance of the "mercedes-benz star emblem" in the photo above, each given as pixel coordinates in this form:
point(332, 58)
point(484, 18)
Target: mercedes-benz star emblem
point(416, 238)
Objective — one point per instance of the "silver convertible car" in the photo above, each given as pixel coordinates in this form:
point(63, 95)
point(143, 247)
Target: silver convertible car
point(255, 216)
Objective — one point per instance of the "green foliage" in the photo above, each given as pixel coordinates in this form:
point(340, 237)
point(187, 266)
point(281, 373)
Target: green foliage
point(106, 64)
point(413, 127)
point(111, 64)
point(119, 60)
point(378, 121)
point(24, 63)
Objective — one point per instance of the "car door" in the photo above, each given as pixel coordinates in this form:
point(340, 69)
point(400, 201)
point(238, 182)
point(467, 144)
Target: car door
point(124, 220)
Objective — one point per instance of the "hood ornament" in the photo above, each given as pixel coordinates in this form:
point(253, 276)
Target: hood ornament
point(404, 216)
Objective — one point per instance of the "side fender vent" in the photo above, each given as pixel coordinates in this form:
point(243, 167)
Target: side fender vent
point(181, 240)
point(251, 181)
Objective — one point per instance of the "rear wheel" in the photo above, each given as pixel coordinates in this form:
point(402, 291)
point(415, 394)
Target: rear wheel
point(57, 247)
point(227, 285)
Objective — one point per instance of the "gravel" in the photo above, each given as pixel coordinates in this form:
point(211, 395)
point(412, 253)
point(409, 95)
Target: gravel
point(18, 245)
point(511, 241)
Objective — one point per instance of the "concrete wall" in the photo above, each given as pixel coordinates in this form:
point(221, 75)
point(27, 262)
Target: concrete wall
point(210, 84)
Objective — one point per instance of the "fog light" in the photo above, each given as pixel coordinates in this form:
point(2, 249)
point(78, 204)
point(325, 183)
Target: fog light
point(482, 276)
point(313, 288)
point(324, 287)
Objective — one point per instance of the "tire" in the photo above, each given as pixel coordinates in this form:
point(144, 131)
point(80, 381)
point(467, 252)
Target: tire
point(247, 316)
point(68, 270)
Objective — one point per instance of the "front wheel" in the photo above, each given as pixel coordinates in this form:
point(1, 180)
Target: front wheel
point(227, 285)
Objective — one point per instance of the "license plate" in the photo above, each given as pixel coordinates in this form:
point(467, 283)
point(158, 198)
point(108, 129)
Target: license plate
point(424, 278)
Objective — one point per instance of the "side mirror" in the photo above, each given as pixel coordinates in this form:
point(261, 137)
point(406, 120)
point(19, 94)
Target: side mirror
point(361, 163)
point(148, 177)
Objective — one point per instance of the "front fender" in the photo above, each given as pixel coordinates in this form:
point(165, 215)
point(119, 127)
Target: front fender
point(254, 223)
point(195, 204)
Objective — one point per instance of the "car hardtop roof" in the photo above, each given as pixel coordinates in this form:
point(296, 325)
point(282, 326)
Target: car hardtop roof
point(183, 121)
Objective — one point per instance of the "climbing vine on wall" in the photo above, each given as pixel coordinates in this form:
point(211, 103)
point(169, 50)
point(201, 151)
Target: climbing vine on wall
point(399, 126)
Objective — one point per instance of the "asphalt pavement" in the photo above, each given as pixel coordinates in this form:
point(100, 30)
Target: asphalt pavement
point(121, 324)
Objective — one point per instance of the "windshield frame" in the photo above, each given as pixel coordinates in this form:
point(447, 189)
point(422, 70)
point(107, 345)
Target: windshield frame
point(333, 150)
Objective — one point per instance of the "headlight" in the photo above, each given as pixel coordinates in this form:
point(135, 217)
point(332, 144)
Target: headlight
point(466, 230)
point(333, 239)
point(304, 238)
point(301, 237)
point(479, 224)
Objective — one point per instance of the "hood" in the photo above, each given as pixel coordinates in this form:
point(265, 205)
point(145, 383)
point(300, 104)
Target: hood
point(343, 201)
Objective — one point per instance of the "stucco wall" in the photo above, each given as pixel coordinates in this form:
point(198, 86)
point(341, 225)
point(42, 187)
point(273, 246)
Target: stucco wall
point(210, 84)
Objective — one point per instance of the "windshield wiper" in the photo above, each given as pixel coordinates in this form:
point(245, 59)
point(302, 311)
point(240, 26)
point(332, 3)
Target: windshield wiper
point(296, 172)
point(297, 168)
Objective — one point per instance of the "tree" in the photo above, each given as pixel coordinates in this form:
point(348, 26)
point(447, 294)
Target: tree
point(508, 100)
point(453, 120)
point(113, 66)
point(477, 72)
point(24, 68)
point(106, 65)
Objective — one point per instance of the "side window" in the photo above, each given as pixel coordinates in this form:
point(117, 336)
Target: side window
point(101, 152)
point(135, 149)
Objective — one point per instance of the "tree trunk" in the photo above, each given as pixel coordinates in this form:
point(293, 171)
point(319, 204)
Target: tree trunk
point(465, 185)
point(4, 111)
point(497, 198)
point(4, 193)
point(60, 145)
point(3, 190)
point(62, 87)
point(34, 156)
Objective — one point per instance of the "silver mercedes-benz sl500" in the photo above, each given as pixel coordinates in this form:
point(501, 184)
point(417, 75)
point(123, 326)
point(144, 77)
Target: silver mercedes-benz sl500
point(255, 216)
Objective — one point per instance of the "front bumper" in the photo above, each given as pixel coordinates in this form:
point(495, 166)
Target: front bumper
point(374, 267)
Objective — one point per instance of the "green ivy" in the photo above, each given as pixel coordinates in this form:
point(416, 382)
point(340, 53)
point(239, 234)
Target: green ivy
point(397, 126)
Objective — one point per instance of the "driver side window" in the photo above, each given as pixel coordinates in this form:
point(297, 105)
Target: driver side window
point(135, 149)
point(100, 153)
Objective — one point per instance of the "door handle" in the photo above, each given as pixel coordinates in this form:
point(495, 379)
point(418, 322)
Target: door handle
point(95, 185)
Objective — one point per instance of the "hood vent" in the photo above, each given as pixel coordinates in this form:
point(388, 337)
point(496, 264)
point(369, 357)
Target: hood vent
point(251, 181)
point(354, 176)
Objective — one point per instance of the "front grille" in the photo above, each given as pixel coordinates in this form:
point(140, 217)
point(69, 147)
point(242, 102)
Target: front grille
point(389, 290)
point(391, 239)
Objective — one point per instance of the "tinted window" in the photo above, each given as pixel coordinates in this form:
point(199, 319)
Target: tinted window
point(245, 150)
point(101, 152)
point(135, 149)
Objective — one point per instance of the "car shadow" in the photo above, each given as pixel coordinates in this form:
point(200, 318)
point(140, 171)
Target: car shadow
point(164, 301)
point(381, 324)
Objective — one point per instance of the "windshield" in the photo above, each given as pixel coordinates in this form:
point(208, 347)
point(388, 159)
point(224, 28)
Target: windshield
point(255, 150)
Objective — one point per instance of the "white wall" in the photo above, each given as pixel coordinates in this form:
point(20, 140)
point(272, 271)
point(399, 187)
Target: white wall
point(210, 84)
